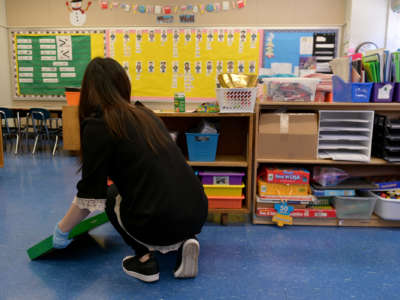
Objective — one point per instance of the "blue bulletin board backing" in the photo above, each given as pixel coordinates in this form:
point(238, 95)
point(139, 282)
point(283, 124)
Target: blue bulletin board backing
point(282, 49)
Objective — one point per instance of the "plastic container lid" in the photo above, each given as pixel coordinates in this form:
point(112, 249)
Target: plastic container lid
point(292, 79)
point(221, 174)
point(223, 186)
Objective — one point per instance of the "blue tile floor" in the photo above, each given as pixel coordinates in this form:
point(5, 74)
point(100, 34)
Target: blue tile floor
point(237, 262)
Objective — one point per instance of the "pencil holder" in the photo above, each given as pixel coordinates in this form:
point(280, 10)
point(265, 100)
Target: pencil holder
point(382, 92)
point(396, 93)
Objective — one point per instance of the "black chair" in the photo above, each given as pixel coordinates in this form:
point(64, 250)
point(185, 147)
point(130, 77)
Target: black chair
point(39, 123)
point(9, 131)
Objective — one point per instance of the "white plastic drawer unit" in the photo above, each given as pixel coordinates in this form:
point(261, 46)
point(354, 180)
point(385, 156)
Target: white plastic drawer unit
point(345, 135)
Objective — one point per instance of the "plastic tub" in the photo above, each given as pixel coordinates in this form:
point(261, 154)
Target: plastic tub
point(225, 202)
point(201, 146)
point(226, 178)
point(396, 93)
point(291, 89)
point(361, 92)
point(387, 209)
point(213, 190)
point(382, 92)
point(360, 207)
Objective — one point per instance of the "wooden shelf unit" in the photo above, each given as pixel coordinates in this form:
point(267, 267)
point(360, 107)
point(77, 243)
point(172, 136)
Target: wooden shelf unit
point(391, 109)
point(234, 150)
point(1, 149)
point(374, 161)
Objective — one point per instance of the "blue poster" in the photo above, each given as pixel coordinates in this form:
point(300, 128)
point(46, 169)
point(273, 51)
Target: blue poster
point(284, 49)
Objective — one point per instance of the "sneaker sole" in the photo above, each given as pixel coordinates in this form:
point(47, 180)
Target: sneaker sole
point(190, 258)
point(145, 278)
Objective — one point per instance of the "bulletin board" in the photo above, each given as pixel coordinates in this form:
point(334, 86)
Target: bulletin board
point(286, 51)
point(45, 62)
point(162, 61)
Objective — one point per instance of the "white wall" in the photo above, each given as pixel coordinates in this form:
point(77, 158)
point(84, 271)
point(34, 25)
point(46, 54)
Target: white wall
point(393, 34)
point(5, 92)
point(368, 22)
point(346, 28)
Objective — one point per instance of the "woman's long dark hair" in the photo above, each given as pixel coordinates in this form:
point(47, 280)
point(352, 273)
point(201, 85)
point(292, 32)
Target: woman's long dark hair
point(106, 87)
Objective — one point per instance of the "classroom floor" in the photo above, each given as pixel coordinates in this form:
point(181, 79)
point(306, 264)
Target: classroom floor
point(240, 261)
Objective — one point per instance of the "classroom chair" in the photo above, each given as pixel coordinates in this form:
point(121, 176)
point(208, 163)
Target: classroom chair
point(8, 131)
point(41, 125)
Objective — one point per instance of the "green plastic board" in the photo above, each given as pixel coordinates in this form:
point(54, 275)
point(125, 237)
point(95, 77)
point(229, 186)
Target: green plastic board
point(46, 245)
point(47, 64)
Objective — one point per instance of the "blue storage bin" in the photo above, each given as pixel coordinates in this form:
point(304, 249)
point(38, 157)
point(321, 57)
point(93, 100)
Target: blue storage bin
point(361, 92)
point(202, 146)
point(351, 92)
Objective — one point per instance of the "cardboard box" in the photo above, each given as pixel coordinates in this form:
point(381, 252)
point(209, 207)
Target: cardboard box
point(288, 135)
point(287, 176)
point(272, 189)
point(290, 199)
point(299, 213)
point(272, 205)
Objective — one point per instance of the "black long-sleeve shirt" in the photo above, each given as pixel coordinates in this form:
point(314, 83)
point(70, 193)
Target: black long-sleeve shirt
point(163, 202)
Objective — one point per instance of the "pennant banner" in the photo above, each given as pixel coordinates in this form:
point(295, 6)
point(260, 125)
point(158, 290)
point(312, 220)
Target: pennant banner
point(213, 7)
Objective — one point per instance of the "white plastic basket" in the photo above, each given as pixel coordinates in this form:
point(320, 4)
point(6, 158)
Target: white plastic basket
point(236, 100)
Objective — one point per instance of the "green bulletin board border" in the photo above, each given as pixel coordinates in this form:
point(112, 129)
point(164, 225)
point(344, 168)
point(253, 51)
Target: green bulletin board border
point(12, 36)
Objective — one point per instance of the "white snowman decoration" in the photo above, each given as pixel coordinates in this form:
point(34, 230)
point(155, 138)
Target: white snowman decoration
point(77, 15)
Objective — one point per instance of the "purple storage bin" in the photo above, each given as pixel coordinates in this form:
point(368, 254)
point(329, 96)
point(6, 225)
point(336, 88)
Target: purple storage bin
point(382, 92)
point(226, 178)
point(396, 93)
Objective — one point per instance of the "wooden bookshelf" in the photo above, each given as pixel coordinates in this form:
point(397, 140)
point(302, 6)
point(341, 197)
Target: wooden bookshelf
point(234, 151)
point(368, 168)
point(373, 161)
point(222, 161)
point(1, 149)
point(375, 221)
point(333, 106)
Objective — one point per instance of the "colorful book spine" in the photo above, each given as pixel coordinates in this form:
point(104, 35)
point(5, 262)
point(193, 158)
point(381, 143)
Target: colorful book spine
point(299, 213)
point(387, 185)
point(332, 193)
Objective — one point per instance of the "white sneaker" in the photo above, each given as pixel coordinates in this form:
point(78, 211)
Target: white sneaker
point(187, 261)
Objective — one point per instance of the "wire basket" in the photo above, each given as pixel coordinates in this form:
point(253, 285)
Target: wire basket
point(236, 100)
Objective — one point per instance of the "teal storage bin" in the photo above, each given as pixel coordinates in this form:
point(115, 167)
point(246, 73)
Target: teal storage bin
point(202, 146)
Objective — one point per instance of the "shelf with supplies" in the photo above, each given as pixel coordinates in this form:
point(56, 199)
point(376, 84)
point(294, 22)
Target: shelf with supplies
point(279, 144)
point(222, 161)
point(373, 161)
point(234, 148)
point(330, 105)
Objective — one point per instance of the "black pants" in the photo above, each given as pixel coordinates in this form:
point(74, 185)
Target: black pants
point(112, 193)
